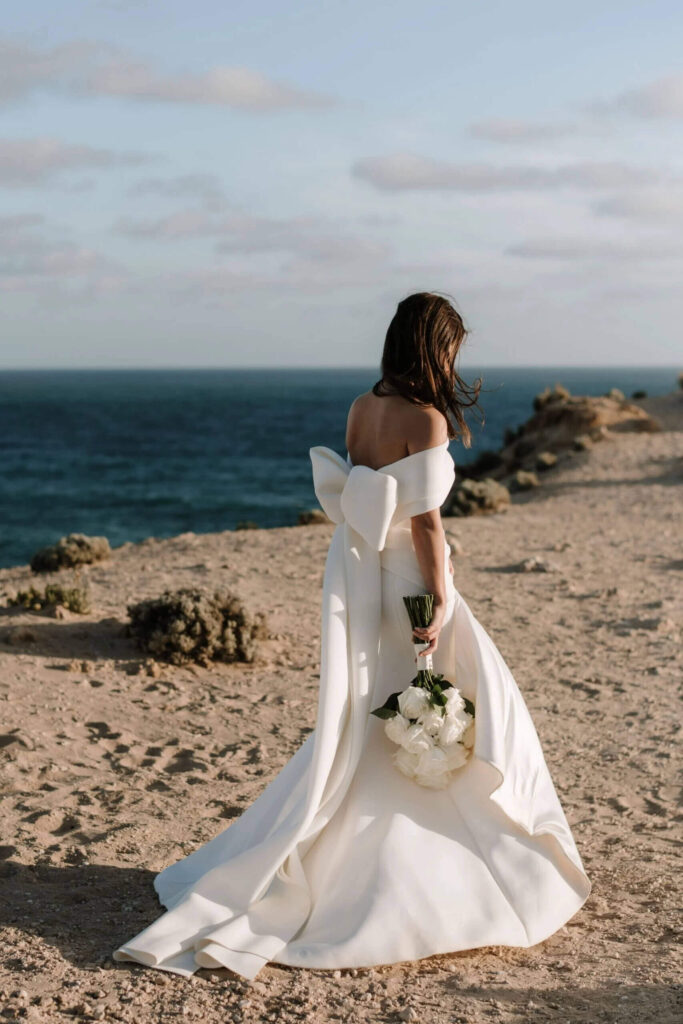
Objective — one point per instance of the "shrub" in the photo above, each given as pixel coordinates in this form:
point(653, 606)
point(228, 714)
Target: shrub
point(69, 552)
point(190, 625)
point(472, 497)
point(313, 517)
point(73, 598)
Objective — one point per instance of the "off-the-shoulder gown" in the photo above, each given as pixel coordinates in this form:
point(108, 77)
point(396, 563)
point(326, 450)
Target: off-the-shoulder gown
point(342, 861)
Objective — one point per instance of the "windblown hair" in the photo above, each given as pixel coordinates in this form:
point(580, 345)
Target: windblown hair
point(418, 361)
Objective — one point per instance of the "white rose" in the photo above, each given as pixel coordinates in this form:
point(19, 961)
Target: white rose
point(413, 701)
point(417, 739)
point(456, 755)
point(406, 762)
point(433, 770)
point(432, 720)
point(454, 725)
point(396, 728)
point(433, 762)
point(454, 699)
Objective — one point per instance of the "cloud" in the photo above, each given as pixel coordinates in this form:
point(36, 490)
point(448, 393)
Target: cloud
point(237, 87)
point(14, 224)
point(662, 98)
point(516, 132)
point(89, 68)
point(581, 249)
point(34, 161)
point(31, 260)
point(206, 188)
point(643, 206)
point(406, 171)
point(236, 230)
point(310, 248)
point(26, 69)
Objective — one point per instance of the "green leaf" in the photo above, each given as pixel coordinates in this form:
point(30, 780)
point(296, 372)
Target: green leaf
point(469, 706)
point(384, 712)
point(443, 683)
point(390, 706)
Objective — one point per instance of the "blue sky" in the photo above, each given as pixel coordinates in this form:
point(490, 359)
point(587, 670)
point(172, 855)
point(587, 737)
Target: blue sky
point(259, 184)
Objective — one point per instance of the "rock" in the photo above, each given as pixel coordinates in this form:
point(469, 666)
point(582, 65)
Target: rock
point(549, 395)
point(523, 480)
point(535, 564)
point(71, 551)
point(524, 447)
point(471, 497)
point(58, 611)
point(486, 461)
point(621, 804)
point(545, 460)
point(313, 517)
point(407, 1013)
point(558, 419)
point(582, 442)
point(616, 394)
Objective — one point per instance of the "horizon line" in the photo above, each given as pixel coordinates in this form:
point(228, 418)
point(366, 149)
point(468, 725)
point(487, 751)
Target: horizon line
point(477, 366)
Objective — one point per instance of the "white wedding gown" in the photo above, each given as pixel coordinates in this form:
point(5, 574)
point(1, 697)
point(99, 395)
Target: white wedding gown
point(342, 861)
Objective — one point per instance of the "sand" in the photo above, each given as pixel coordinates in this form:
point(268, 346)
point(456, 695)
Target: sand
point(112, 767)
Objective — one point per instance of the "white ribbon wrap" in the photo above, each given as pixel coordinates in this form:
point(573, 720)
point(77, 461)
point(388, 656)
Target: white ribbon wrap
point(425, 662)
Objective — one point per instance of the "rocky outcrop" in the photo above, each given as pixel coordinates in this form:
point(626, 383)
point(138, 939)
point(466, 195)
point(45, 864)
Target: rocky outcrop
point(562, 423)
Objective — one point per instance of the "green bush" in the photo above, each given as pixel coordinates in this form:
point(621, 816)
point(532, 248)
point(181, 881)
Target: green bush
point(190, 625)
point(71, 551)
point(73, 598)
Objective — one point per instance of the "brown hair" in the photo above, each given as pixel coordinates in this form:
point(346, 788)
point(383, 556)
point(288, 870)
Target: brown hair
point(418, 361)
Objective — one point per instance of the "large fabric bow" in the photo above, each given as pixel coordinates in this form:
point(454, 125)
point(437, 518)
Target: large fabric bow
point(364, 498)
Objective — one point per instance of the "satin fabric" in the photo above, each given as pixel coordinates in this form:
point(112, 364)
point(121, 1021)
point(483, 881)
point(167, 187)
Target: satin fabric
point(342, 861)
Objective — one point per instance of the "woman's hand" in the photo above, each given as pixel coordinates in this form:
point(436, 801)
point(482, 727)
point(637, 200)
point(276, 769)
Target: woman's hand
point(430, 634)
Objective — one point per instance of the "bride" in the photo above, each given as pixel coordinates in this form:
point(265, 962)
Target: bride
point(343, 860)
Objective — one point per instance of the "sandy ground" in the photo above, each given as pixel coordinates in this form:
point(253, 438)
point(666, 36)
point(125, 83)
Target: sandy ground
point(111, 769)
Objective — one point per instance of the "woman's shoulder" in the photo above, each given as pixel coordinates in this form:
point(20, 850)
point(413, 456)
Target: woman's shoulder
point(426, 427)
point(414, 426)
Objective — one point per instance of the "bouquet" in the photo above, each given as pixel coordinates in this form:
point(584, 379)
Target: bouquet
point(431, 721)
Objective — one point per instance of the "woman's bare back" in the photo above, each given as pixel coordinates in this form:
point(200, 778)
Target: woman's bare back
point(382, 430)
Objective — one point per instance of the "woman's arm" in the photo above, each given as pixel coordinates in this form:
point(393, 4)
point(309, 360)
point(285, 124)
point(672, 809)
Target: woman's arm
point(429, 541)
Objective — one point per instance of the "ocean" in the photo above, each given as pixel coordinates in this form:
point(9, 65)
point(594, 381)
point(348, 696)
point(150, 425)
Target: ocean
point(130, 454)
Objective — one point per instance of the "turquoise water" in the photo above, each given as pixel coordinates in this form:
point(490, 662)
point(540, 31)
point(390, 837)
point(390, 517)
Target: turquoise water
point(136, 453)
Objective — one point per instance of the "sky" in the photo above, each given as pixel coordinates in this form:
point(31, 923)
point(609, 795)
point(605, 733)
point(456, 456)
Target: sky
point(260, 183)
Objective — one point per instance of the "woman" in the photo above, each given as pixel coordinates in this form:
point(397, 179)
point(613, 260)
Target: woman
point(343, 860)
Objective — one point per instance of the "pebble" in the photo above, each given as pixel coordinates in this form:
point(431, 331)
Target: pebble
point(407, 1013)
